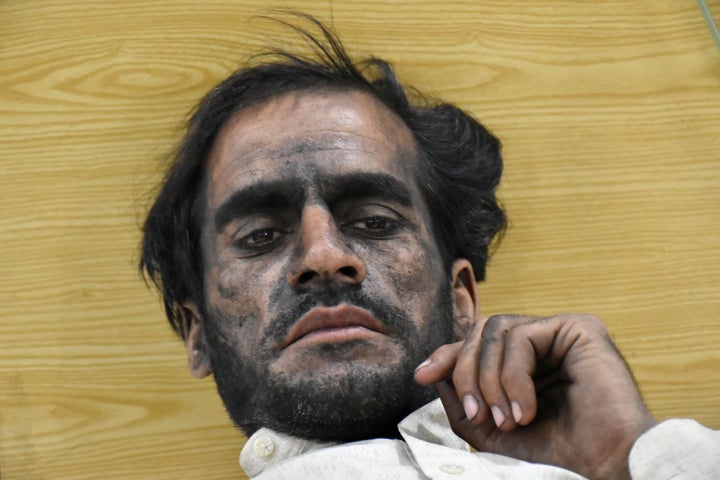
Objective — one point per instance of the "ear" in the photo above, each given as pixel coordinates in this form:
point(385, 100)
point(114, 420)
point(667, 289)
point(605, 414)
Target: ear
point(194, 335)
point(464, 297)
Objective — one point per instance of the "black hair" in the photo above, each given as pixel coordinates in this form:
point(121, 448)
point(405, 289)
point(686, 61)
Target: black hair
point(460, 161)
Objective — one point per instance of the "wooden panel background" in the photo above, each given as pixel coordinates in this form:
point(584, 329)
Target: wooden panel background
point(610, 116)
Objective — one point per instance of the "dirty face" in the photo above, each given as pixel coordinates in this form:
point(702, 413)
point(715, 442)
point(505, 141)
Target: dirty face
point(324, 285)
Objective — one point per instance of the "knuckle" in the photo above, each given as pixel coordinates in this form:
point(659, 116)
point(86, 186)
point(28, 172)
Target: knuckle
point(508, 377)
point(497, 325)
point(487, 377)
point(463, 383)
point(445, 352)
point(487, 343)
point(516, 335)
point(445, 349)
point(591, 323)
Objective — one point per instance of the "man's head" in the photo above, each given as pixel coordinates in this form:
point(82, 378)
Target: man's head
point(315, 240)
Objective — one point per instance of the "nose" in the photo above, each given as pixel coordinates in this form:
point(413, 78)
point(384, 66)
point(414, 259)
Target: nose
point(322, 255)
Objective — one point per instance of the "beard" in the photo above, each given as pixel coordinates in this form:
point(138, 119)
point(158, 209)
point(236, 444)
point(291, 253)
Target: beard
point(355, 401)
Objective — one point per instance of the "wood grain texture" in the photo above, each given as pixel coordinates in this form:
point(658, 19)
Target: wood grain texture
point(610, 117)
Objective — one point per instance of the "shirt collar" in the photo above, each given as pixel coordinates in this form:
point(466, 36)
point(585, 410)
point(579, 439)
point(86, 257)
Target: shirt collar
point(266, 448)
point(430, 424)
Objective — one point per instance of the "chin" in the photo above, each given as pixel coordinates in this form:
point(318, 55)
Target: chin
point(346, 401)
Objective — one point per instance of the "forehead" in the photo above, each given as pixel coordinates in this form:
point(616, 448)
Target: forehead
point(305, 135)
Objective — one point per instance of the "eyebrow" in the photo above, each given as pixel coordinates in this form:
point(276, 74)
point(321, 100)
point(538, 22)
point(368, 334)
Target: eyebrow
point(256, 197)
point(365, 184)
point(288, 192)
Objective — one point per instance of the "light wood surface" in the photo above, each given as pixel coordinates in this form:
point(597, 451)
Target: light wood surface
point(610, 117)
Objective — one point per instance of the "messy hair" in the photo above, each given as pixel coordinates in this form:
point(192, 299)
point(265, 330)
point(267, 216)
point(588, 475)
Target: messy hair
point(460, 161)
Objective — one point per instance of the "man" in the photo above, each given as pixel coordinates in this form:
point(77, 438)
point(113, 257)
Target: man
point(317, 243)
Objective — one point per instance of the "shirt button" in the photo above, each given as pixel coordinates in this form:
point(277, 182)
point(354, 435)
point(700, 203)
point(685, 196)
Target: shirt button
point(263, 447)
point(451, 469)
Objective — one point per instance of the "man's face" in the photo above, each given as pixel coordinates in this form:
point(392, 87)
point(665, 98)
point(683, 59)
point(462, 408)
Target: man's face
point(324, 286)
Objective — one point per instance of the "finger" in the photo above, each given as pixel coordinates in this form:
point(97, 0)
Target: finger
point(466, 374)
point(476, 435)
point(439, 365)
point(492, 358)
point(534, 353)
point(451, 402)
point(492, 352)
point(524, 345)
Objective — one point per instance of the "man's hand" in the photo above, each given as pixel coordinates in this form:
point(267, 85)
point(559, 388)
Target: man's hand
point(549, 390)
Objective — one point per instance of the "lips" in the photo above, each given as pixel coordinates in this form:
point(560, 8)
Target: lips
point(334, 324)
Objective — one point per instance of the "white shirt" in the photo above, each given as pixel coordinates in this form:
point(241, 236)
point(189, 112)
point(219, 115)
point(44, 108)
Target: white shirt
point(677, 449)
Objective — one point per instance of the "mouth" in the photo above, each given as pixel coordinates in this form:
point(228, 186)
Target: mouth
point(336, 324)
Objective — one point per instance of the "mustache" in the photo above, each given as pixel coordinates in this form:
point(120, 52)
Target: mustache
point(387, 314)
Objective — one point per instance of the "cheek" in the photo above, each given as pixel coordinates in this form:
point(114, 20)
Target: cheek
point(409, 269)
point(240, 294)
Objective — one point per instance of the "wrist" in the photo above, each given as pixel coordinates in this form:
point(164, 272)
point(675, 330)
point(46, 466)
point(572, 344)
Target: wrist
point(616, 464)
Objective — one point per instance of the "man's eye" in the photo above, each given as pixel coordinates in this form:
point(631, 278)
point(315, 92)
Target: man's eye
point(377, 223)
point(262, 237)
point(259, 239)
point(376, 226)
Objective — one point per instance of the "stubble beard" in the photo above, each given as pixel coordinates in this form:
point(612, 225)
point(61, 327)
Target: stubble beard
point(358, 401)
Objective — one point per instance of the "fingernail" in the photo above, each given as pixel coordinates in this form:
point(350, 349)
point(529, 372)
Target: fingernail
point(498, 415)
point(471, 406)
point(424, 364)
point(516, 411)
